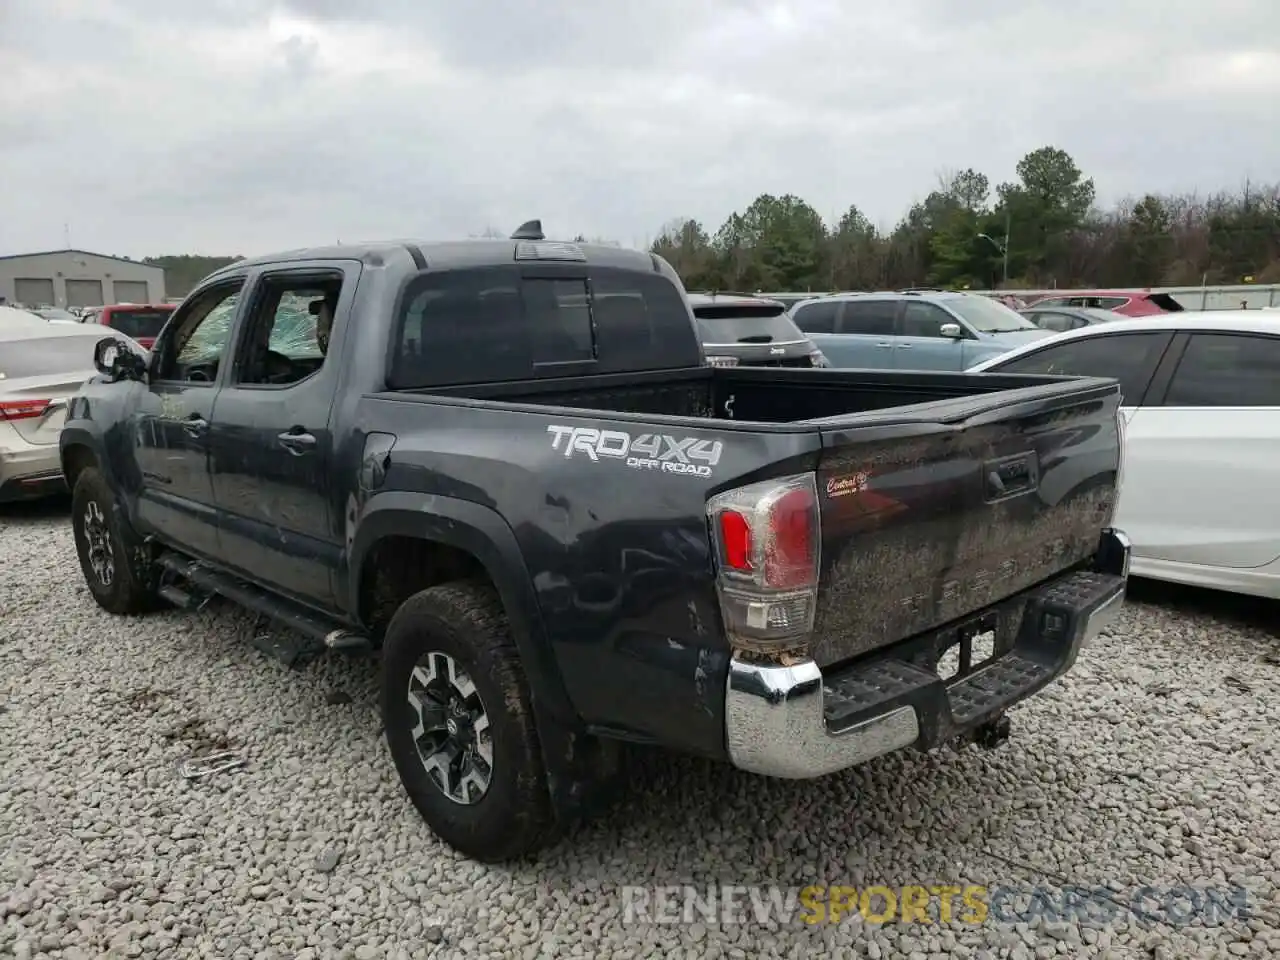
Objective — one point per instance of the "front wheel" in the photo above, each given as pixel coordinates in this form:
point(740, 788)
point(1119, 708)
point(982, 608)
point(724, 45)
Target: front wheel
point(109, 549)
point(459, 723)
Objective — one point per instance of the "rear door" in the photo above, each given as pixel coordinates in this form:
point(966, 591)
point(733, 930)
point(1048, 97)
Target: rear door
point(928, 518)
point(1202, 475)
point(866, 331)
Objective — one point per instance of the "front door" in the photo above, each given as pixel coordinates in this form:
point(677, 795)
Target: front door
point(920, 344)
point(272, 451)
point(170, 425)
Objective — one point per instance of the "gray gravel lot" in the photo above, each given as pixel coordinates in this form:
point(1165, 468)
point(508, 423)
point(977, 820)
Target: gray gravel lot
point(1155, 762)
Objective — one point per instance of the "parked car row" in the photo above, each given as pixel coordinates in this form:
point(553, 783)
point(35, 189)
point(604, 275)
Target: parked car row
point(911, 330)
point(1176, 438)
point(1202, 408)
point(1127, 303)
point(138, 321)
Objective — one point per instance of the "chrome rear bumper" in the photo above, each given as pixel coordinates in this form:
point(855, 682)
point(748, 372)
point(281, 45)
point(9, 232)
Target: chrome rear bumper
point(792, 722)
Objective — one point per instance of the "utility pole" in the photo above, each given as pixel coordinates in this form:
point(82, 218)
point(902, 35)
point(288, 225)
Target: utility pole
point(1001, 248)
point(1008, 217)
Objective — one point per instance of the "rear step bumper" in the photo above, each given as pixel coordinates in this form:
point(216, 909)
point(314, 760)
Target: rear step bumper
point(794, 722)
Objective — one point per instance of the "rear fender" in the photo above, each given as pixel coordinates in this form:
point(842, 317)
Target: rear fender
point(485, 535)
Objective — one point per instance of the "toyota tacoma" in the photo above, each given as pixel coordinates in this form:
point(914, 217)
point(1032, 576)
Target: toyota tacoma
point(506, 468)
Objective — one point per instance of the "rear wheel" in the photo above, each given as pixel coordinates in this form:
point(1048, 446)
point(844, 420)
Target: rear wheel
point(110, 551)
point(459, 723)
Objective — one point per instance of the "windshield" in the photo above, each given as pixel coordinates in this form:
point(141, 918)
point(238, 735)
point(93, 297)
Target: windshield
point(139, 323)
point(987, 316)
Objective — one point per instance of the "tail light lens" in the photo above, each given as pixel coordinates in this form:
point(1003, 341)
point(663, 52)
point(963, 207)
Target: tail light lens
point(767, 540)
point(722, 361)
point(23, 409)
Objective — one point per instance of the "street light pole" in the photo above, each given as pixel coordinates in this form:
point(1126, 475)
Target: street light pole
point(1002, 248)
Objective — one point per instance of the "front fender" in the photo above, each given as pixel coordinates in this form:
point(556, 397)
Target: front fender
point(75, 437)
point(484, 534)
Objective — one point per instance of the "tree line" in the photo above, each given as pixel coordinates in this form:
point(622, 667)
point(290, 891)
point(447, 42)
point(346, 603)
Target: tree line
point(1044, 229)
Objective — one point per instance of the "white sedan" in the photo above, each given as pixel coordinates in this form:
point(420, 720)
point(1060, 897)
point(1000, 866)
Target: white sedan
point(1200, 495)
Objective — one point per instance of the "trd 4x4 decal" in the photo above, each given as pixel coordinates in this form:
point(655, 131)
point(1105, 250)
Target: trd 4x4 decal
point(648, 451)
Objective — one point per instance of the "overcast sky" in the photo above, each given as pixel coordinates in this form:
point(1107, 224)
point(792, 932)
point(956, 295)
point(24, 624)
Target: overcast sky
point(243, 126)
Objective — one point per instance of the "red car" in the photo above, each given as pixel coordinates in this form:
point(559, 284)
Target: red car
point(141, 321)
point(1129, 303)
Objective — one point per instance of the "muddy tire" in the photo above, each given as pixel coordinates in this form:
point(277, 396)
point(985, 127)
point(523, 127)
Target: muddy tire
point(108, 548)
point(459, 723)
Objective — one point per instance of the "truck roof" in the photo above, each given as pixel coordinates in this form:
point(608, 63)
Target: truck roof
point(456, 254)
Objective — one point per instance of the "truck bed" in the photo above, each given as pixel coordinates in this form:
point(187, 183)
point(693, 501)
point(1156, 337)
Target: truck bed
point(760, 395)
point(940, 494)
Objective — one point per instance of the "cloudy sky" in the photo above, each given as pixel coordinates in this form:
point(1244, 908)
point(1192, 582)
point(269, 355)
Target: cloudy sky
point(242, 126)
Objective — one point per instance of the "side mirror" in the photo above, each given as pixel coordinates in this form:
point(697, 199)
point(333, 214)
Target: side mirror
point(116, 361)
point(951, 330)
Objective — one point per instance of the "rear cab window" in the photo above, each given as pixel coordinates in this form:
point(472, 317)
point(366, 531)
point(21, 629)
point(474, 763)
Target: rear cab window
point(137, 322)
point(496, 323)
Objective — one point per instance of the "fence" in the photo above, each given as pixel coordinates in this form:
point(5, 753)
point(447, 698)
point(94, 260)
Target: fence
point(1252, 296)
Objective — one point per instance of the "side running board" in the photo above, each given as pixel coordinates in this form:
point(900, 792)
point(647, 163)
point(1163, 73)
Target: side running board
point(317, 633)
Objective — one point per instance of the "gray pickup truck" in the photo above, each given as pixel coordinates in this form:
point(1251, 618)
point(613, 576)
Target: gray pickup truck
point(506, 466)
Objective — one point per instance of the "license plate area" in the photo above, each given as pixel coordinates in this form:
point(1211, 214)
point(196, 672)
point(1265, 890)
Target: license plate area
point(968, 647)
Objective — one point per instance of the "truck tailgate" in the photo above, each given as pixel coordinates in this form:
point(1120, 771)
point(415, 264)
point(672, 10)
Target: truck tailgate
point(935, 512)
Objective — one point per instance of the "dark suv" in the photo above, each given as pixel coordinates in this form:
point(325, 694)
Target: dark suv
point(738, 330)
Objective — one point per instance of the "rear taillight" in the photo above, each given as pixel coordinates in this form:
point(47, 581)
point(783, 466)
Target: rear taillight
point(722, 361)
point(23, 409)
point(767, 543)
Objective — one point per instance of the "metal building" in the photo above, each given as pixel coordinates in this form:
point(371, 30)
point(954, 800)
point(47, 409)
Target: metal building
point(75, 278)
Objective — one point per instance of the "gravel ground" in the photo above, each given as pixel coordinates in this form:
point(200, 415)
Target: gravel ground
point(1155, 762)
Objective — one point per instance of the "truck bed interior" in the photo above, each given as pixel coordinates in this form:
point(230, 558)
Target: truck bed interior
point(759, 394)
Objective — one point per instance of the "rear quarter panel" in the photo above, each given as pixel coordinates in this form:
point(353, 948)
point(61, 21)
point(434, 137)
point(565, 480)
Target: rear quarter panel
point(616, 547)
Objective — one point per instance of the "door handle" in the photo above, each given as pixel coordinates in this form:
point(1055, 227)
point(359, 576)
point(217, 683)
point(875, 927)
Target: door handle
point(195, 425)
point(297, 442)
point(904, 346)
point(885, 345)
